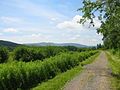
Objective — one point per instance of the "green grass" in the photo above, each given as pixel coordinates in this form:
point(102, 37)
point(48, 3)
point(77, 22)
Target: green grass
point(114, 64)
point(60, 80)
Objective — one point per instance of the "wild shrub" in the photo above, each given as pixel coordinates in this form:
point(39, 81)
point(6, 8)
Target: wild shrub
point(3, 54)
point(26, 54)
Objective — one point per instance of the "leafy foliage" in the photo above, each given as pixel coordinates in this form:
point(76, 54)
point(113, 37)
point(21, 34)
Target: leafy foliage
point(3, 54)
point(36, 53)
point(99, 46)
point(26, 54)
point(109, 14)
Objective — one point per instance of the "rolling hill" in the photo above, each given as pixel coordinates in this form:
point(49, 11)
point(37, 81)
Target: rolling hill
point(12, 44)
point(8, 44)
point(56, 44)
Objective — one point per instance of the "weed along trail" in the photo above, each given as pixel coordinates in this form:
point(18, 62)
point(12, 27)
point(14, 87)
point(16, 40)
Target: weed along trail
point(94, 77)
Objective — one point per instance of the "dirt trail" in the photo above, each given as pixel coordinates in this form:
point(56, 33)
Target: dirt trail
point(94, 77)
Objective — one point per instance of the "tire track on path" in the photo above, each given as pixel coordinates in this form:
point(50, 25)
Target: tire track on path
point(95, 76)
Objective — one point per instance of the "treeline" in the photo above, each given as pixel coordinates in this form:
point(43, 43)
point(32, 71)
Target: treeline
point(36, 53)
point(25, 75)
point(28, 53)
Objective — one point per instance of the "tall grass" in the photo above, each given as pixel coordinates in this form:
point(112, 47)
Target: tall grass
point(114, 62)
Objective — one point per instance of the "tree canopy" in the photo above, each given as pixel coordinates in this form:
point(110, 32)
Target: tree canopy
point(108, 11)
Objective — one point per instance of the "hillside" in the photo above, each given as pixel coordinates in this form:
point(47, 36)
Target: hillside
point(56, 44)
point(8, 44)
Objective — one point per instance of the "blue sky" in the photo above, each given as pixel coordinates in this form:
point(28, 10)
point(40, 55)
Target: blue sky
point(32, 21)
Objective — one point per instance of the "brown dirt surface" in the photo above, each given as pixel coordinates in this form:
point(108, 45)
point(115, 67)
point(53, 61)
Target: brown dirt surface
point(95, 76)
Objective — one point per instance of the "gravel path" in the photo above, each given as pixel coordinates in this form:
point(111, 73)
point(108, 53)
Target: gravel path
point(94, 77)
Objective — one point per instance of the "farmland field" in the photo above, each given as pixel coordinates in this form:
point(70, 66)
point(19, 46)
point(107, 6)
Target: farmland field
point(25, 67)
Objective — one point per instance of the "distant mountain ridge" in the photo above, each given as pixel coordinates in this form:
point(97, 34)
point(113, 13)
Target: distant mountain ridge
point(8, 44)
point(56, 44)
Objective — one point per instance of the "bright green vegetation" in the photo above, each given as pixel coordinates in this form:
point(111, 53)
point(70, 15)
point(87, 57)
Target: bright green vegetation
point(90, 59)
point(30, 53)
point(36, 53)
point(60, 80)
point(114, 61)
point(25, 75)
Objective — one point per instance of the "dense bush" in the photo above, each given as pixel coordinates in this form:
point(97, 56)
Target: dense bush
point(71, 48)
point(26, 54)
point(49, 51)
point(25, 75)
point(3, 54)
point(82, 49)
point(36, 53)
point(115, 52)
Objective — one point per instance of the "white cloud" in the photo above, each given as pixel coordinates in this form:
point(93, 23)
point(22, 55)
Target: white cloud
point(11, 30)
point(67, 25)
point(86, 41)
point(43, 33)
point(53, 19)
point(36, 35)
point(57, 38)
point(97, 23)
point(40, 36)
point(28, 38)
point(9, 20)
point(36, 9)
point(73, 24)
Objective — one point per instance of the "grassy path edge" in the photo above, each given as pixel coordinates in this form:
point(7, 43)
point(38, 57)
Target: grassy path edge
point(60, 80)
point(113, 64)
